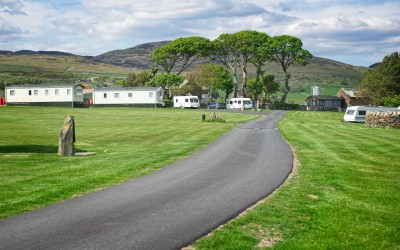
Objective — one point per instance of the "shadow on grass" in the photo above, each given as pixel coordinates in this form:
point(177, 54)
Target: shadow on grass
point(44, 149)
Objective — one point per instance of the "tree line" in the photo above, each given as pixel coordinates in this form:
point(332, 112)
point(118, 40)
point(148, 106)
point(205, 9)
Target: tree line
point(229, 54)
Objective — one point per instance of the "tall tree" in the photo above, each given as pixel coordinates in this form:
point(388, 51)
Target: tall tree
point(223, 50)
point(383, 82)
point(237, 50)
point(181, 53)
point(247, 46)
point(287, 50)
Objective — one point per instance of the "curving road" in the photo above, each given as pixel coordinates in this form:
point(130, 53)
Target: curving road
point(169, 208)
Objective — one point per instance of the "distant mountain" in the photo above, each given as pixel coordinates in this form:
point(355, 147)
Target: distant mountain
point(30, 52)
point(138, 57)
point(374, 65)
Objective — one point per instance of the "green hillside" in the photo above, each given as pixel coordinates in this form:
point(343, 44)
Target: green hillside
point(41, 69)
point(111, 67)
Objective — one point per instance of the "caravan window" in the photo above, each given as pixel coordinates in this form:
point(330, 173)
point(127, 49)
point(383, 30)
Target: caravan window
point(151, 94)
point(12, 92)
point(239, 102)
point(193, 100)
point(130, 95)
point(362, 112)
point(186, 100)
point(46, 92)
point(105, 95)
point(246, 102)
point(36, 92)
point(68, 91)
point(116, 95)
point(30, 92)
point(350, 112)
point(56, 92)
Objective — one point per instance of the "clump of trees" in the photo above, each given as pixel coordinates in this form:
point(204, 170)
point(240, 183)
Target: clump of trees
point(234, 51)
point(382, 83)
point(230, 54)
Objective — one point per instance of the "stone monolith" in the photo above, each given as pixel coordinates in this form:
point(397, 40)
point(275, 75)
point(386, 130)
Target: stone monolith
point(67, 137)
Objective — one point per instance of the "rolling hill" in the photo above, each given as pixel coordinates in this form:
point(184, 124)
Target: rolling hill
point(52, 66)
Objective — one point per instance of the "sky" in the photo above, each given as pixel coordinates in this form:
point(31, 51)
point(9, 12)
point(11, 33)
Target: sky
point(355, 32)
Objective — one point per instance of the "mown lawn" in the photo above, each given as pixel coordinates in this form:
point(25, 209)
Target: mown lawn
point(344, 193)
point(127, 143)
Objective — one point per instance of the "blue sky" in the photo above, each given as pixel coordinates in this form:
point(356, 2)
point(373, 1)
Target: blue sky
point(353, 31)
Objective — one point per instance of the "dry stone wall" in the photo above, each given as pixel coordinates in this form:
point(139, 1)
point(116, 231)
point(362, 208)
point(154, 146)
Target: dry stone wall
point(378, 119)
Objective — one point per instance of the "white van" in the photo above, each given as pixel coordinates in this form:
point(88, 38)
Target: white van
point(359, 113)
point(188, 101)
point(238, 103)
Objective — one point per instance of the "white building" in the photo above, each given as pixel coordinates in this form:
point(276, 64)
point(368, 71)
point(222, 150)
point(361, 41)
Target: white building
point(69, 95)
point(124, 96)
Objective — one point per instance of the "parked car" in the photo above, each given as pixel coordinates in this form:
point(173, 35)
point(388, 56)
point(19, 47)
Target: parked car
point(217, 105)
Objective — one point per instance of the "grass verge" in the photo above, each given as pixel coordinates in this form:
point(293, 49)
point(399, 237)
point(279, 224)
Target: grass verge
point(344, 194)
point(128, 143)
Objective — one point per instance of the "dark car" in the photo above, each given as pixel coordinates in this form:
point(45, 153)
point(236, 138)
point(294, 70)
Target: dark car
point(217, 105)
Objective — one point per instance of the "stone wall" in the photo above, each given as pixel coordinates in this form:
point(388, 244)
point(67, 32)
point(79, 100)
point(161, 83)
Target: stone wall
point(379, 119)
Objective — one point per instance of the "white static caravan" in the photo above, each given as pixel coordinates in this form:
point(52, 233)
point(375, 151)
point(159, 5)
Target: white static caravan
point(69, 95)
point(129, 96)
point(359, 113)
point(188, 101)
point(239, 103)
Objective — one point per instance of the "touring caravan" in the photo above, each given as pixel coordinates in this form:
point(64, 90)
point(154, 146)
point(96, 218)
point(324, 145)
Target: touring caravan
point(238, 103)
point(359, 113)
point(186, 102)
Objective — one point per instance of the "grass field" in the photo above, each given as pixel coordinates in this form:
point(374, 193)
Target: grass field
point(343, 195)
point(128, 143)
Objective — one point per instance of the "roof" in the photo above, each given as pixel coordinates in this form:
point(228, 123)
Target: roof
point(23, 86)
point(128, 89)
point(323, 97)
point(350, 92)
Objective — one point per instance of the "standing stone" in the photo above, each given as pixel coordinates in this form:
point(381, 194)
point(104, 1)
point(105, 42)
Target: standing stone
point(67, 137)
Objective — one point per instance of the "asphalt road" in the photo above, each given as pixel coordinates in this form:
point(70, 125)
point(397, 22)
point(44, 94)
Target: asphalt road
point(169, 208)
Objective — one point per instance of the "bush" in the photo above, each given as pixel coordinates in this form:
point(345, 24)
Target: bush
point(284, 106)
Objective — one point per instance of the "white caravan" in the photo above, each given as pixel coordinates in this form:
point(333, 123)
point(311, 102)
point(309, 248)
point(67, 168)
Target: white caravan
point(188, 101)
point(359, 113)
point(239, 103)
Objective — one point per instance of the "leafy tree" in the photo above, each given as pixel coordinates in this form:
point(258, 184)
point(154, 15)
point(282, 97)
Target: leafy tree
point(166, 81)
point(247, 45)
point(270, 85)
point(181, 53)
point(223, 50)
point(213, 77)
point(382, 82)
point(287, 50)
point(265, 85)
point(190, 88)
point(240, 48)
point(129, 81)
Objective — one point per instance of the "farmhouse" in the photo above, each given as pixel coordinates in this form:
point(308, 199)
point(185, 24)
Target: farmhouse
point(350, 98)
point(135, 96)
point(67, 95)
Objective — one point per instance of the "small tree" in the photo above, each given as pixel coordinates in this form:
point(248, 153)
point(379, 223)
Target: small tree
point(166, 81)
point(214, 77)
